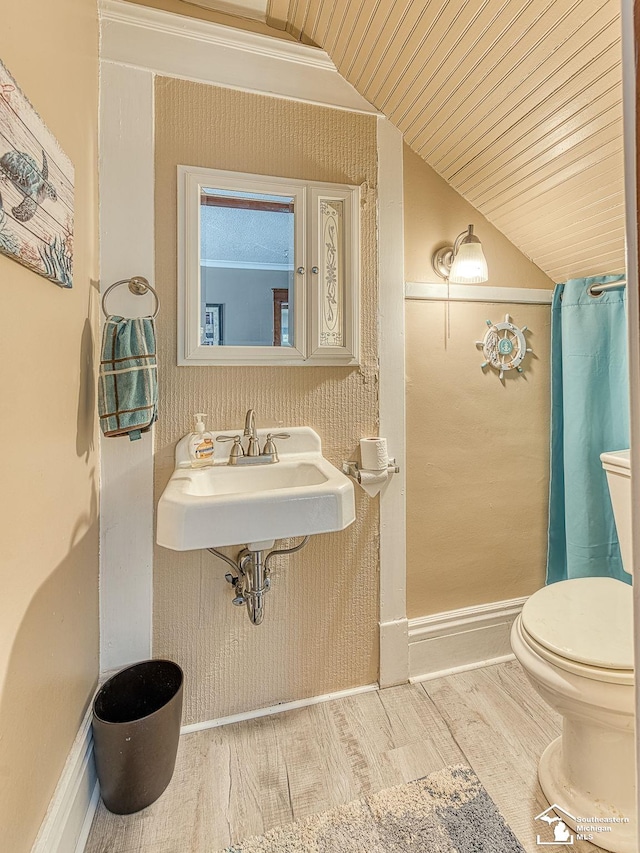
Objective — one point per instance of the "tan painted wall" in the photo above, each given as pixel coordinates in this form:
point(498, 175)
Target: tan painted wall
point(477, 476)
point(320, 630)
point(48, 523)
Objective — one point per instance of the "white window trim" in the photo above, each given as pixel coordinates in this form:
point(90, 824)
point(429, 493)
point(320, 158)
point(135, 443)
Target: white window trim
point(244, 265)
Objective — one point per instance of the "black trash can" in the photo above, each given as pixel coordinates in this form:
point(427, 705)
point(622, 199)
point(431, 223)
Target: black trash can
point(136, 727)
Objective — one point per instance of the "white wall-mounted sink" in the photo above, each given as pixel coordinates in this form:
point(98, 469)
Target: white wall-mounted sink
point(224, 504)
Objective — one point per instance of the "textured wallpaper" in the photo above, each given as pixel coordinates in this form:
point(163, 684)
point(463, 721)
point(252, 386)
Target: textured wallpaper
point(320, 631)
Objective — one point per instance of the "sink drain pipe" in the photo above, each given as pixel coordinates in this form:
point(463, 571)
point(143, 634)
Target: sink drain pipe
point(252, 582)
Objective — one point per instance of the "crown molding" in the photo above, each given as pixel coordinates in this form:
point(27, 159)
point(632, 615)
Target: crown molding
point(179, 46)
point(170, 23)
point(255, 10)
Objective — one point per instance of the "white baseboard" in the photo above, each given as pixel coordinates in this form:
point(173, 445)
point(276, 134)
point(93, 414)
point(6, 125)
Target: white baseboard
point(457, 640)
point(66, 825)
point(394, 658)
point(465, 667)
point(276, 709)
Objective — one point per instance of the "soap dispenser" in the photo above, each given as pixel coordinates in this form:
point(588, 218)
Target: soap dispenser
point(201, 444)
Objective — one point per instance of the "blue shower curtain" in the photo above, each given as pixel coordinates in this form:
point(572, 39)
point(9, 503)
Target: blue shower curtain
point(589, 414)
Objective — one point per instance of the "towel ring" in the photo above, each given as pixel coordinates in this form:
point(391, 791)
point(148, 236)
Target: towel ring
point(138, 285)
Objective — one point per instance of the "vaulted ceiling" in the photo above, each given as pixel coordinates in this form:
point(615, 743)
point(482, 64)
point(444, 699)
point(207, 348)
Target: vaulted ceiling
point(516, 103)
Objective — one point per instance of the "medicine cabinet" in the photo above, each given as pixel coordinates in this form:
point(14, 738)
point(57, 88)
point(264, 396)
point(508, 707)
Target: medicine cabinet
point(268, 270)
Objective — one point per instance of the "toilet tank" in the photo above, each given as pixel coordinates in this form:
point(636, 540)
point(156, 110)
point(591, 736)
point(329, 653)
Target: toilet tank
point(618, 469)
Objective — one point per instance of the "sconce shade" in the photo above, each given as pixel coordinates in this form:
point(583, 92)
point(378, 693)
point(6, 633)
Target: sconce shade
point(464, 262)
point(469, 263)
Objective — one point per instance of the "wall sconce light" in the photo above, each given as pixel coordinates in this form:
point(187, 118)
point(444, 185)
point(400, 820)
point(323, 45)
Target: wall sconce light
point(464, 262)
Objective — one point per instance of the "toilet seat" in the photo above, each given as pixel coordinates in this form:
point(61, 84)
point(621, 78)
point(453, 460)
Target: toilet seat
point(624, 677)
point(584, 625)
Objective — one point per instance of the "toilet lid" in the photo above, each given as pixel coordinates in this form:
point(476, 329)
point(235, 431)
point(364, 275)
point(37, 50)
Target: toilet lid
point(588, 620)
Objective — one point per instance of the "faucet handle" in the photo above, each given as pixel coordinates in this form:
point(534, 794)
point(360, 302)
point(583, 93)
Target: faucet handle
point(236, 450)
point(270, 448)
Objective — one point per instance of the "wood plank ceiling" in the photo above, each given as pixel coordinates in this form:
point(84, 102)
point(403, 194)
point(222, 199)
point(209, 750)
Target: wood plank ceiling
point(516, 103)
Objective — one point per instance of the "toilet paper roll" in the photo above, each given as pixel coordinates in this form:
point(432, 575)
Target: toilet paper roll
point(373, 453)
point(373, 481)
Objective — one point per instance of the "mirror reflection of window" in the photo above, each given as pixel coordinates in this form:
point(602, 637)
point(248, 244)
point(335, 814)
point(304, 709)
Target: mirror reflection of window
point(246, 257)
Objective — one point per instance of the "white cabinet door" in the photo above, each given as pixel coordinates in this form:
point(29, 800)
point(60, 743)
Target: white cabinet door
point(334, 232)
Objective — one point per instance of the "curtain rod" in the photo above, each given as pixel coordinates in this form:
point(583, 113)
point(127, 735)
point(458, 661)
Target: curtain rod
point(597, 289)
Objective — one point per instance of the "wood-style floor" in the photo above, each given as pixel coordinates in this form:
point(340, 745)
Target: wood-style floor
point(247, 778)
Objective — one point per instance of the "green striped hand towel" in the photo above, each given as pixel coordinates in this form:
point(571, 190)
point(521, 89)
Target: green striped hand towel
point(128, 382)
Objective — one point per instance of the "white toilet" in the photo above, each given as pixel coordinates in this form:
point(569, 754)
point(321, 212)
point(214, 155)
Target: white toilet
point(574, 640)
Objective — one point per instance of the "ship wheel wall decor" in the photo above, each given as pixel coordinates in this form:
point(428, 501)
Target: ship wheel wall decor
point(504, 346)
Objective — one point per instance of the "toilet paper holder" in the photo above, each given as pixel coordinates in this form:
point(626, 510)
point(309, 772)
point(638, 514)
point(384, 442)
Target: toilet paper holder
point(352, 468)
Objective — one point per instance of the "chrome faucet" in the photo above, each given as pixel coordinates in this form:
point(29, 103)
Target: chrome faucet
point(252, 455)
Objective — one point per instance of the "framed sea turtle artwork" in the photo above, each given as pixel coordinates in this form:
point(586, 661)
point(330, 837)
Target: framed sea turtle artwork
point(36, 189)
